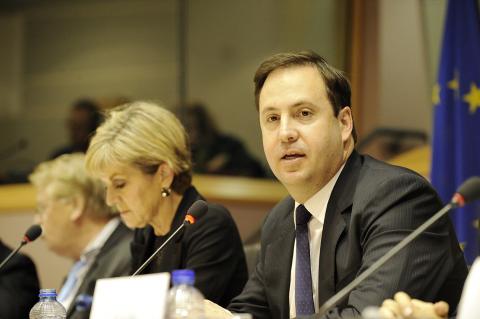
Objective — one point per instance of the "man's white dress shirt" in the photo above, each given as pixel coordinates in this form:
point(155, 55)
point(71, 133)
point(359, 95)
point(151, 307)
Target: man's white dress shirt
point(317, 206)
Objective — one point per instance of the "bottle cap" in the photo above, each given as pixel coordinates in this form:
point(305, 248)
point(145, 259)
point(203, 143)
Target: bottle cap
point(47, 293)
point(183, 276)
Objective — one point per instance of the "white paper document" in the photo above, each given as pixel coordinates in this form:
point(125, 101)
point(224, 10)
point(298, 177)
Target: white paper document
point(140, 297)
point(469, 307)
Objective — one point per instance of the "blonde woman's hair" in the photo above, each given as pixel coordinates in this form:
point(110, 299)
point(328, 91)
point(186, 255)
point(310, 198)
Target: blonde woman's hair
point(66, 177)
point(145, 135)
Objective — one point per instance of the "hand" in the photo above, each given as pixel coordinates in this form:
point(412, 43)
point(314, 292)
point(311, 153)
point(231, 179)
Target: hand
point(403, 307)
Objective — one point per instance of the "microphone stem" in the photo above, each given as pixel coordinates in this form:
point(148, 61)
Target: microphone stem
point(145, 264)
point(343, 292)
point(11, 255)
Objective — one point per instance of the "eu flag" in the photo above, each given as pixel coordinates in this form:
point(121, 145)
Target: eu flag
point(456, 132)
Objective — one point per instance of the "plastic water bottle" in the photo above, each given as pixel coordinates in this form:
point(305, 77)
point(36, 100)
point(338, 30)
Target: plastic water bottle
point(184, 300)
point(48, 307)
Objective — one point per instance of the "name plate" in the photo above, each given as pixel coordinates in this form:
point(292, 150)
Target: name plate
point(140, 297)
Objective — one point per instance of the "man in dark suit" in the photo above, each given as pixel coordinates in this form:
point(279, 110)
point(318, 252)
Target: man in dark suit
point(344, 211)
point(19, 286)
point(78, 224)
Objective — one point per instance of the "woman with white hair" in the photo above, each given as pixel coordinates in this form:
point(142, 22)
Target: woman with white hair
point(141, 153)
point(77, 224)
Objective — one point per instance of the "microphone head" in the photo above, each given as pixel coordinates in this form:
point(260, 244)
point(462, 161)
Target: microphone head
point(32, 233)
point(196, 211)
point(467, 192)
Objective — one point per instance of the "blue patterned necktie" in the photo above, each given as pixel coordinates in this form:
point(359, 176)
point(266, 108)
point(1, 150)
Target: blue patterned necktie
point(303, 274)
point(71, 281)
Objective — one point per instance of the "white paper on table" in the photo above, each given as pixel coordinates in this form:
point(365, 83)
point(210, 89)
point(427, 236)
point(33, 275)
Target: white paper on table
point(139, 297)
point(469, 306)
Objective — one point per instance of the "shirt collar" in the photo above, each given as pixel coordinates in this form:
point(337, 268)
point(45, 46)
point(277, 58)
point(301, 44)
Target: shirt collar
point(317, 204)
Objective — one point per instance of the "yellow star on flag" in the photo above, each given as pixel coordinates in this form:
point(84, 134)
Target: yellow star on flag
point(454, 84)
point(473, 98)
point(436, 94)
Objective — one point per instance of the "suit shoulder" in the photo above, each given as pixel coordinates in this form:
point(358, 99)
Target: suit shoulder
point(18, 261)
point(385, 186)
point(375, 171)
point(217, 225)
point(217, 216)
point(21, 263)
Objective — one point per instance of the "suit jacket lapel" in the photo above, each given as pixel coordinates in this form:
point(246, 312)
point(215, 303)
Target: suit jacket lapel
point(339, 203)
point(278, 260)
point(86, 285)
point(88, 282)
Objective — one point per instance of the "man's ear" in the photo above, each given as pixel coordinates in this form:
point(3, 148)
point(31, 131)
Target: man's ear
point(164, 175)
point(345, 119)
point(78, 207)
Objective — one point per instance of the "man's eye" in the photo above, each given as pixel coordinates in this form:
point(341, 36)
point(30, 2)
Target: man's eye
point(305, 113)
point(272, 118)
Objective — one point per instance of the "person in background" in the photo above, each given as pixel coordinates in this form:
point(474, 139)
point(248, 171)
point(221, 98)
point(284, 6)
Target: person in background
point(82, 121)
point(212, 151)
point(345, 210)
point(142, 155)
point(78, 224)
point(19, 286)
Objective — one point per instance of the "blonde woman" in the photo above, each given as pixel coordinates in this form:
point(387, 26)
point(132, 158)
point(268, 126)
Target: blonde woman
point(141, 154)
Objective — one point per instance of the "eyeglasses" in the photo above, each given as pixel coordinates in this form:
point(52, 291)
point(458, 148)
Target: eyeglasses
point(45, 205)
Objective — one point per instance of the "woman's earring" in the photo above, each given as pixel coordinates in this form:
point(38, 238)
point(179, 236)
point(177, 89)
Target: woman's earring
point(166, 192)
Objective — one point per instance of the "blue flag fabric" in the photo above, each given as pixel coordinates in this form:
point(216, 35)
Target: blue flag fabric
point(456, 132)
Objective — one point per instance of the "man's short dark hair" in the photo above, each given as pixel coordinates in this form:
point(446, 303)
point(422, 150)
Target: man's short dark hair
point(337, 85)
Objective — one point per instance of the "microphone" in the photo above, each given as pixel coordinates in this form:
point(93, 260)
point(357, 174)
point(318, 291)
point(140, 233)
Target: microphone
point(469, 191)
point(196, 211)
point(31, 234)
